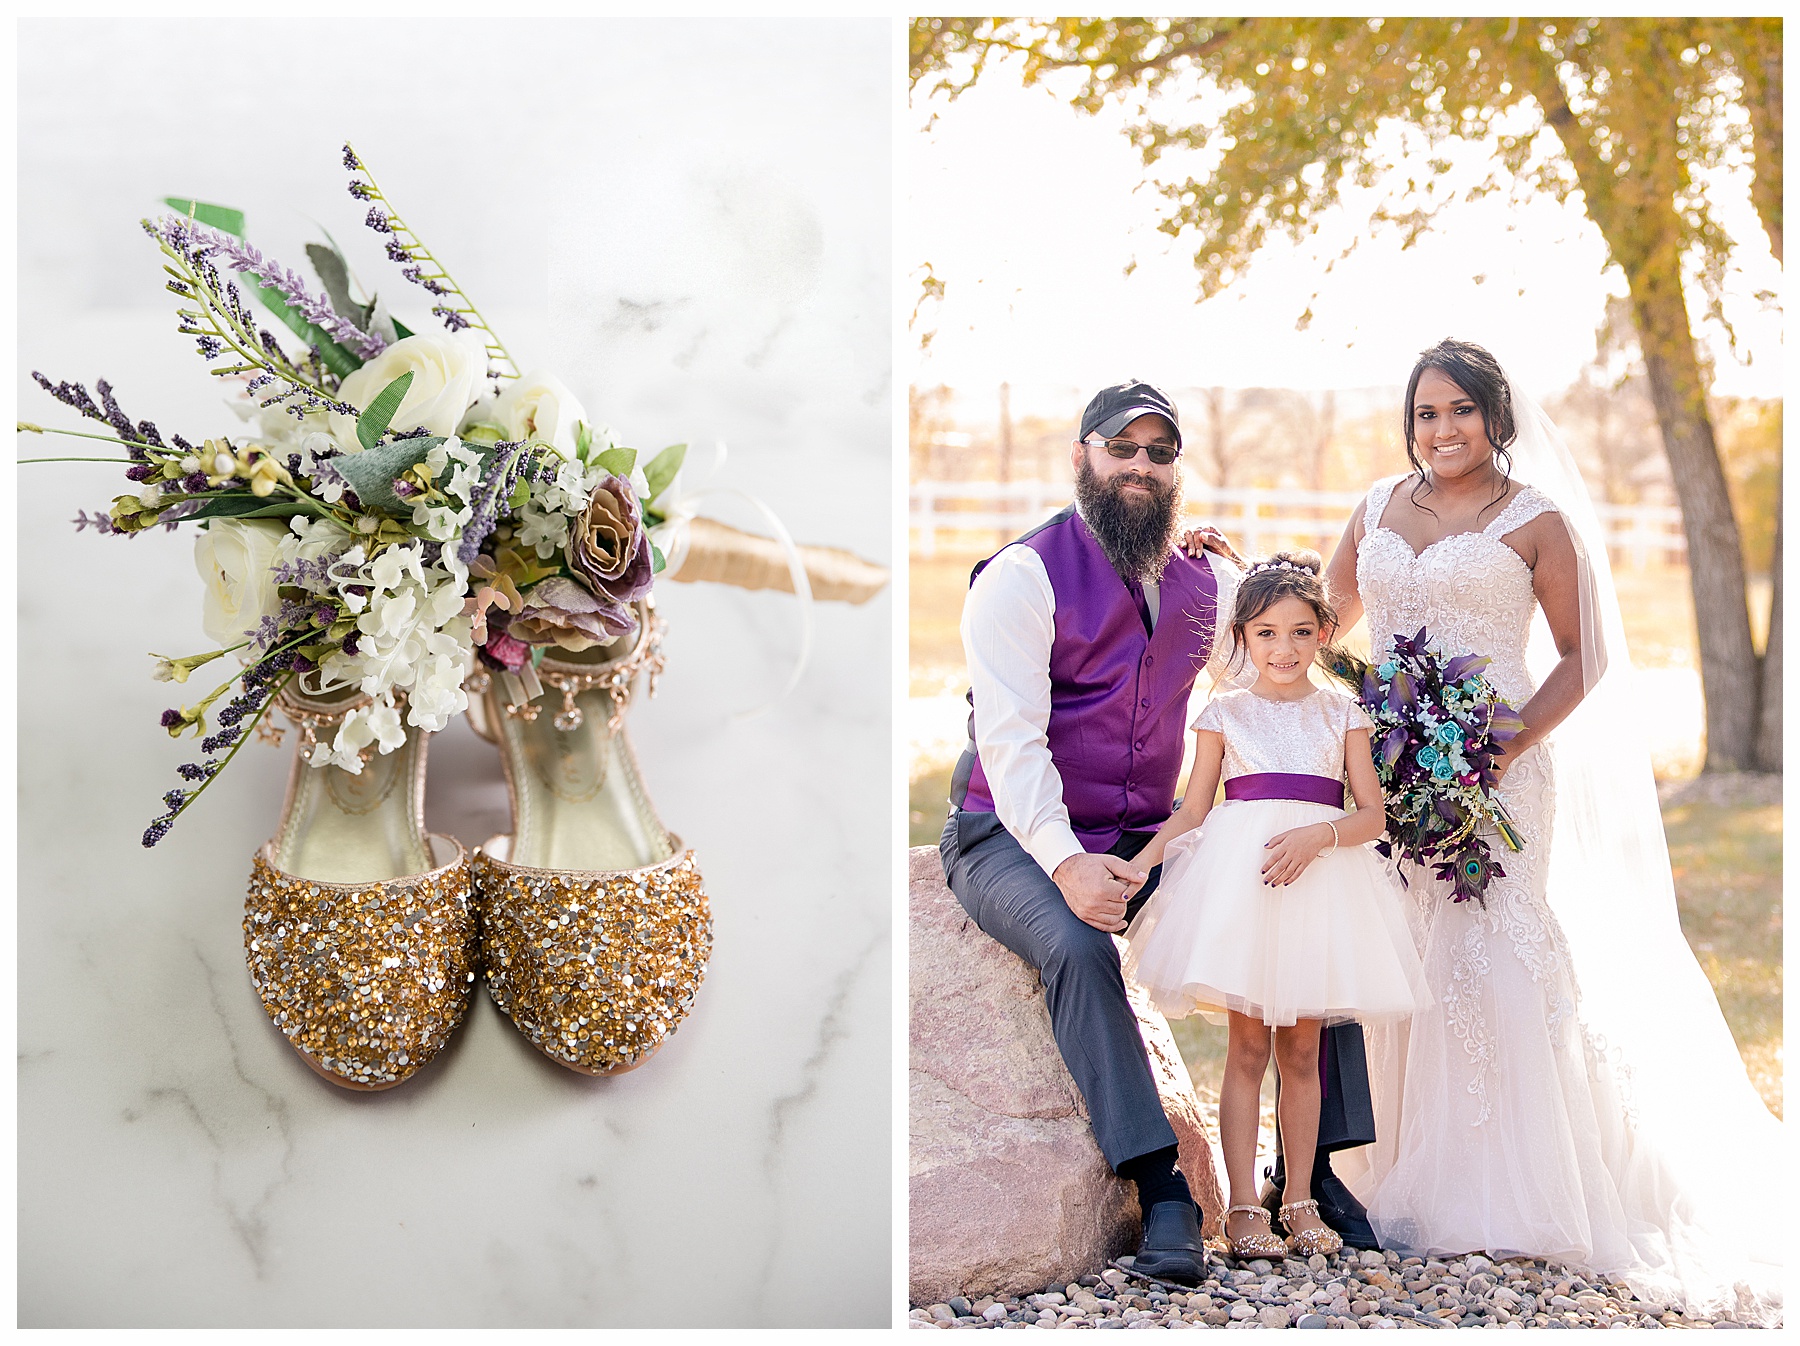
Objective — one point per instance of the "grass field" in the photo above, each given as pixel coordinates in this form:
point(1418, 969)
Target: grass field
point(1724, 841)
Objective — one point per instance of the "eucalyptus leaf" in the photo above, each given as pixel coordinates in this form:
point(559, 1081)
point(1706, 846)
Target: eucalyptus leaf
point(373, 423)
point(371, 473)
point(619, 461)
point(334, 275)
point(661, 470)
point(377, 321)
point(658, 562)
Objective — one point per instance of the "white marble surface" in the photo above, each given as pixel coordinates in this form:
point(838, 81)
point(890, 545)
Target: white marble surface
point(697, 241)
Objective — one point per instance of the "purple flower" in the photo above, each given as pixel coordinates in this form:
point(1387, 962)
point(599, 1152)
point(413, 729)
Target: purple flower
point(172, 719)
point(558, 611)
point(608, 547)
point(351, 162)
point(378, 221)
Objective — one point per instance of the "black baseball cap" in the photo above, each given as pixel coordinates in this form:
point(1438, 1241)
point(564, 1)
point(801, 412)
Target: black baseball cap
point(1116, 407)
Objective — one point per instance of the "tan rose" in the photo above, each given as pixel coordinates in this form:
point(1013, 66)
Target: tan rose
point(608, 547)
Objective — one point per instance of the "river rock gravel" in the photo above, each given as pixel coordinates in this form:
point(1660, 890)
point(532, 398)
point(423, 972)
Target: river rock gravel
point(1350, 1290)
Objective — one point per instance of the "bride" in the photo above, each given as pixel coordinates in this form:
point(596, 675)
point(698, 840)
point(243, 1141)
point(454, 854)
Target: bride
point(1573, 1093)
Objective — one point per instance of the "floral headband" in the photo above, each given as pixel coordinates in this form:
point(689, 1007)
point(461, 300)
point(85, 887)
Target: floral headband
point(1257, 566)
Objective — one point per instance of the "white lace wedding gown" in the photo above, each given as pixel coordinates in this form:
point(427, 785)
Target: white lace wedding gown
point(1502, 1127)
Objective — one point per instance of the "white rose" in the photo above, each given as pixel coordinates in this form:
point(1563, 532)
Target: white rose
point(236, 558)
point(446, 370)
point(537, 406)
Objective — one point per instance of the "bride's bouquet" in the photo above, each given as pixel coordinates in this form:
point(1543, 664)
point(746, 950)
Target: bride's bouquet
point(404, 512)
point(1439, 725)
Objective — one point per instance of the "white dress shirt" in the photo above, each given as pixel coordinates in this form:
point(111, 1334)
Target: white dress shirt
point(1008, 627)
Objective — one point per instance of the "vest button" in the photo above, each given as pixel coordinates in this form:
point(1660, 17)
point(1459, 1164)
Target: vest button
point(1139, 745)
point(1145, 703)
point(1149, 659)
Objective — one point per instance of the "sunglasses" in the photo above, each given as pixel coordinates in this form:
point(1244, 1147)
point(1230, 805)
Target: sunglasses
point(1160, 454)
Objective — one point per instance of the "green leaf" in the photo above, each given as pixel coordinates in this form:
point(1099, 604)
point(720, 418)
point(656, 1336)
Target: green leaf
point(243, 505)
point(402, 329)
point(584, 440)
point(661, 470)
point(373, 423)
point(334, 275)
point(371, 473)
point(658, 562)
point(223, 218)
point(520, 494)
point(618, 461)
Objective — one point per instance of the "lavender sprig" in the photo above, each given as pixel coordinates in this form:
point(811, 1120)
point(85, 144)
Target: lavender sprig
point(502, 477)
point(261, 682)
point(134, 438)
point(420, 267)
point(246, 259)
point(223, 315)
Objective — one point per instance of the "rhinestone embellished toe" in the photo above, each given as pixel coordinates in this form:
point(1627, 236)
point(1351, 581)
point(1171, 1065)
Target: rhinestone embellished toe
point(367, 980)
point(596, 969)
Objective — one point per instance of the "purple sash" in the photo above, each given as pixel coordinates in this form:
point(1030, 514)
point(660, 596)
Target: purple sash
point(1286, 785)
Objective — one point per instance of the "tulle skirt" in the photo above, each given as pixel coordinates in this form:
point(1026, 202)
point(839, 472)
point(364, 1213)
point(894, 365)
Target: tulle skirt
point(1333, 945)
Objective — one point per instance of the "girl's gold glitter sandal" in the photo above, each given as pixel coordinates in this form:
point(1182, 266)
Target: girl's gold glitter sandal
point(359, 929)
point(1320, 1239)
point(595, 926)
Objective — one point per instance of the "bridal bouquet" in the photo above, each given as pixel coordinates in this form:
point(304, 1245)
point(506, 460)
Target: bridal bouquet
point(1438, 727)
point(402, 512)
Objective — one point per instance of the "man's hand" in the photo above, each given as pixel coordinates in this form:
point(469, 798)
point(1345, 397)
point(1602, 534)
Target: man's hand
point(1208, 538)
point(1094, 886)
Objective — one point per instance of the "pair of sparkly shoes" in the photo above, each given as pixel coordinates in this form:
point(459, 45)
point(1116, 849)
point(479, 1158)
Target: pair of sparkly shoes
point(1263, 1241)
point(364, 935)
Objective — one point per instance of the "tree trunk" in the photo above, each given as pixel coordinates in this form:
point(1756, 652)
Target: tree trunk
point(1768, 733)
point(1636, 215)
point(1728, 663)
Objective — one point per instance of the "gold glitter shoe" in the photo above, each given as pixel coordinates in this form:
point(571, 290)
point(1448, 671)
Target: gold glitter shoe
point(595, 926)
point(359, 929)
point(1306, 1242)
point(1257, 1243)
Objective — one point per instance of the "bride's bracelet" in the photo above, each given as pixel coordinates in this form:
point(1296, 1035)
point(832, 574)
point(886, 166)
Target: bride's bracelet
point(1334, 840)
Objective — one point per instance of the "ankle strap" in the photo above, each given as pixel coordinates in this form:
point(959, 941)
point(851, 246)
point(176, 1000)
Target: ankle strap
point(1248, 1210)
point(1308, 1205)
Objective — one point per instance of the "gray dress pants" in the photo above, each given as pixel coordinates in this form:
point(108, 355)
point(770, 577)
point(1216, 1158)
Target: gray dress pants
point(1010, 897)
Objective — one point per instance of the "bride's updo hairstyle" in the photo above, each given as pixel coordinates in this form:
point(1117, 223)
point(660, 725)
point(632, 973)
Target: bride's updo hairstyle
point(1477, 373)
point(1286, 574)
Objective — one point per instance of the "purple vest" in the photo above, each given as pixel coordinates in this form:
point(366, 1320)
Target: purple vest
point(1118, 695)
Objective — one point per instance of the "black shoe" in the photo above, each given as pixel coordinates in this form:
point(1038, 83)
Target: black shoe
point(1172, 1250)
point(1338, 1206)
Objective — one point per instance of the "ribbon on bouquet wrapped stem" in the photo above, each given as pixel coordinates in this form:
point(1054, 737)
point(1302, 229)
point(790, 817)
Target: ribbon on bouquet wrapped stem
point(696, 548)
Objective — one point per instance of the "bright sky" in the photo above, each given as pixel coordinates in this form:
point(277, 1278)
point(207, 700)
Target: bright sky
point(1033, 214)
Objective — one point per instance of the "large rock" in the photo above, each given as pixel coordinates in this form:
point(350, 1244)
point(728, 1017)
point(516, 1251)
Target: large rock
point(1008, 1189)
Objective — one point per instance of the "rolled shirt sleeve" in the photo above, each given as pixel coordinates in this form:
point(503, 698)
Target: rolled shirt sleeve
point(1008, 628)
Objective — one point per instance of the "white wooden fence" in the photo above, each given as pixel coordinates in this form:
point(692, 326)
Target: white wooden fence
point(1257, 519)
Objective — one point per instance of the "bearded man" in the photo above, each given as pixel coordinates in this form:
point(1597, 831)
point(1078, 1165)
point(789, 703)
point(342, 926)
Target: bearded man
point(1083, 639)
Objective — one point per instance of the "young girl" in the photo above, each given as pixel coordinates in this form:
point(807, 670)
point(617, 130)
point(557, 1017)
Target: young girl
point(1272, 907)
